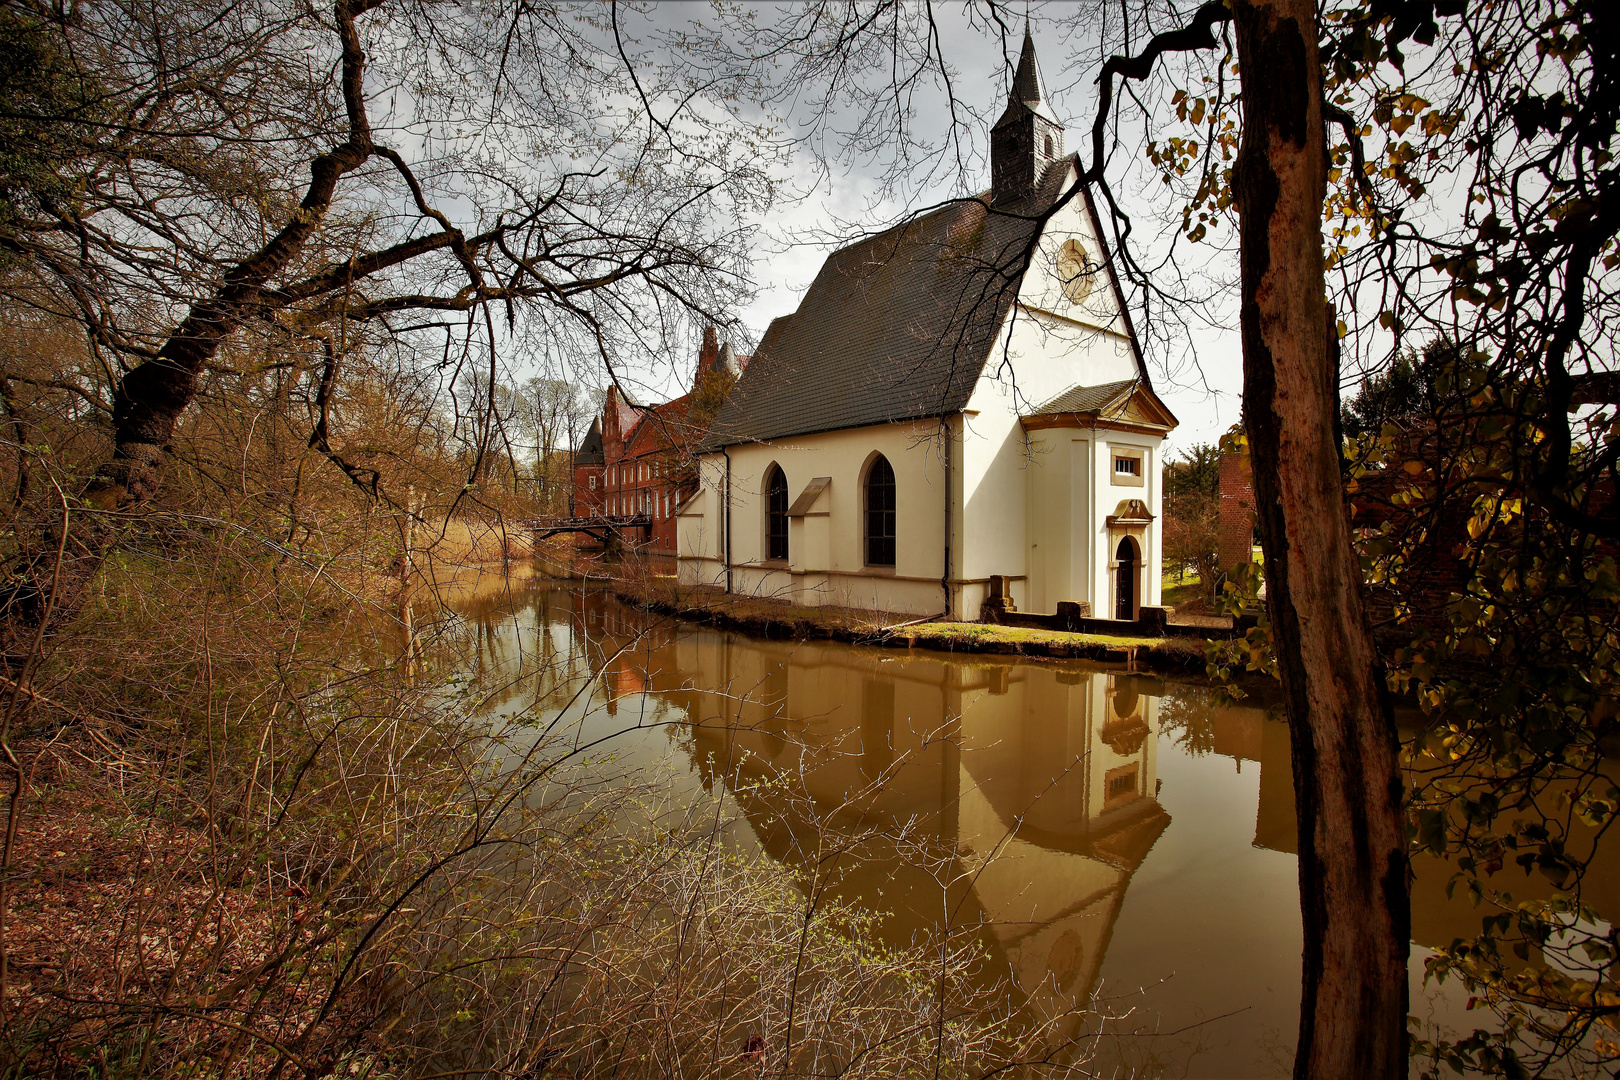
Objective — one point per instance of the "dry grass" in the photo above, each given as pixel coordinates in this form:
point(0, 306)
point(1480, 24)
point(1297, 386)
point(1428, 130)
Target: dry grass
point(253, 844)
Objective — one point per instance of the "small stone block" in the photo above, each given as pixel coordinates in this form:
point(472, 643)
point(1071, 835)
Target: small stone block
point(1070, 612)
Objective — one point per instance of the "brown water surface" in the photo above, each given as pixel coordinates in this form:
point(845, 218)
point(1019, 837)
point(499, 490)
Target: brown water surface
point(1107, 834)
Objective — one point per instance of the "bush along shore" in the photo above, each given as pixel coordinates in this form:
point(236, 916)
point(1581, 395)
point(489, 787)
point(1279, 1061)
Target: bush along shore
point(771, 618)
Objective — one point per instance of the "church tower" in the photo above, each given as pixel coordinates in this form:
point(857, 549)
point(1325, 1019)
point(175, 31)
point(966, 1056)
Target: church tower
point(1028, 136)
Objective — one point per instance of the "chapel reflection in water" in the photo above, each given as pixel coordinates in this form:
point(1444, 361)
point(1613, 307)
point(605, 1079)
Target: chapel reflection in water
point(1024, 794)
point(1015, 801)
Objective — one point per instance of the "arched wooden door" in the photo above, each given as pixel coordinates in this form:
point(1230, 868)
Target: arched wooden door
point(1125, 580)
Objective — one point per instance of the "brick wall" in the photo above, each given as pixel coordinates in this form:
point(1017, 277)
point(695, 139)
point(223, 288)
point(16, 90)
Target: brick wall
point(1236, 510)
point(588, 490)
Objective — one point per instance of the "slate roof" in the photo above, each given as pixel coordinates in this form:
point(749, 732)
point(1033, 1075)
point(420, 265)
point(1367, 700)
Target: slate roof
point(1086, 399)
point(895, 327)
point(590, 448)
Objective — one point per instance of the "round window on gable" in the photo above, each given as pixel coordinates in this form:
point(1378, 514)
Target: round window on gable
point(1075, 271)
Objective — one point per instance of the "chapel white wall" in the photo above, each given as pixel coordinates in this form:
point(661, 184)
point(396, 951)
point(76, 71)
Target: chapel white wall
point(833, 572)
point(1046, 346)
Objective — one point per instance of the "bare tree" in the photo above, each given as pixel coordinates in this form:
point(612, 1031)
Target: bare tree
point(555, 415)
point(297, 174)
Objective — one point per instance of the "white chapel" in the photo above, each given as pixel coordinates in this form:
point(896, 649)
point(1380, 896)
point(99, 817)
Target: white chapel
point(958, 398)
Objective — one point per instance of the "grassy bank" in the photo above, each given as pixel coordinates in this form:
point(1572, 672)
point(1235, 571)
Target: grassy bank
point(765, 617)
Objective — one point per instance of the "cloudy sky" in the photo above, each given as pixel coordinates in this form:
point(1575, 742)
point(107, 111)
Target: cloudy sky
point(1200, 377)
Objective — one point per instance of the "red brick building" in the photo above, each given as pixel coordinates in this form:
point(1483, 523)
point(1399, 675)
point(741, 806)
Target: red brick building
point(636, 460)
point(1236, 511)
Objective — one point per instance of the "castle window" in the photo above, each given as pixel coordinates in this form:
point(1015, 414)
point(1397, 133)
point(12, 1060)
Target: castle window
point(1127, 466)
point(880, 513)
point(776, 520)
point(1049, 146)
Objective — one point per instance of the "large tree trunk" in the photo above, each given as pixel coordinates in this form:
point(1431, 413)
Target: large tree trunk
point(1352, 862)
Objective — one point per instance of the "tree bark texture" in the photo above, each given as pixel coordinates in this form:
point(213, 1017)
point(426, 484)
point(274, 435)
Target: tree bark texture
point(1352, 862)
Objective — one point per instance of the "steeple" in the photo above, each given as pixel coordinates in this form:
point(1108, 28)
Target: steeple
point(1028, 137)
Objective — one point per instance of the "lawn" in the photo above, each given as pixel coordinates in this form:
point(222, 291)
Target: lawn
point(1174, 592)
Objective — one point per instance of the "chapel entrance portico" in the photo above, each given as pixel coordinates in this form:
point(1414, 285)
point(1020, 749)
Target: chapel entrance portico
point(1129, 528)
point(1092, 465)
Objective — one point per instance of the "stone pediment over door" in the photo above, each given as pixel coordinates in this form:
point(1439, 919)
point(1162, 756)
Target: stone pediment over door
point(1130, 512)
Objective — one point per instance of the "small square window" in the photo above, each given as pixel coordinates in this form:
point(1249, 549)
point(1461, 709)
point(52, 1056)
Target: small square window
point(1127, 466)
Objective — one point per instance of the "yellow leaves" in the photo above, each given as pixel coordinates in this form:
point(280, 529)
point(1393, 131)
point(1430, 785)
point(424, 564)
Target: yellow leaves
point(1236, 441)
point(1489, 512)
point(1190, 108)
point(1436, 122)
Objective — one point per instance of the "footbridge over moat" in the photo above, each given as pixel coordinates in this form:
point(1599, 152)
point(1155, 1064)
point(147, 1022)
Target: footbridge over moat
point(605, 528)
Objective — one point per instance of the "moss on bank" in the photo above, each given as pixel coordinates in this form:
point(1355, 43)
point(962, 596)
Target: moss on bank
point(772, 618)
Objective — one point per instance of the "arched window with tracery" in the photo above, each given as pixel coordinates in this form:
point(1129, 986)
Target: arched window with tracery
point(880, 513)
point(776, 519)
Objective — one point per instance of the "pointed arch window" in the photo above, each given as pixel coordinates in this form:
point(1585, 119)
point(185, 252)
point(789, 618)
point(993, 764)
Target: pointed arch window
point(880, 513)
point(776, 519)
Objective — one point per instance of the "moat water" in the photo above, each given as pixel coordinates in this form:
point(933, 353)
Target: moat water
point(1111, 837)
